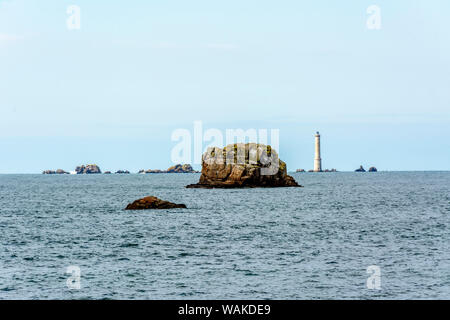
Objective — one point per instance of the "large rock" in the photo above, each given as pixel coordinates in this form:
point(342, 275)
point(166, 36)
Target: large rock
point(360, 169)
point(152, 203)
point(243, 165)
point(88, 169)
point(373, 169)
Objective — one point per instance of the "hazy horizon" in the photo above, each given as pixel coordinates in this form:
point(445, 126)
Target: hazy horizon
point(112, 92)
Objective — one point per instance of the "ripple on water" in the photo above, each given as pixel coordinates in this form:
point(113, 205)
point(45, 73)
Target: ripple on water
point(286, 243)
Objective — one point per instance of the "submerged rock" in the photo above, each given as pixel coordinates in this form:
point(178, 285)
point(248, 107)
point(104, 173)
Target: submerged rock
point(152, 203)
point(88, 169)
point(241, 165)
point(360, 169)
point(373, 169)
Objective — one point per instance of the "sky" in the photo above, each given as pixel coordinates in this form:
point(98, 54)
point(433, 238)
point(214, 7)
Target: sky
point(114, 91)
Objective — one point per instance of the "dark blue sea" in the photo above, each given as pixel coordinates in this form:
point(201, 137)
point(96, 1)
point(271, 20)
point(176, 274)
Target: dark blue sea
point(314, 242)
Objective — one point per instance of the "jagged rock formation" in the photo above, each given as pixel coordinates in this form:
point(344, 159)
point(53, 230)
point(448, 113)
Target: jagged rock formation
point(122, 172)
point(152, 203)
point(373, 169)
point(88, 169)
point(243, 165)
point(360, 169)
point(59, 171)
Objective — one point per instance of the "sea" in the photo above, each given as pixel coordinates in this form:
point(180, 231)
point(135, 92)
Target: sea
point(344, 235)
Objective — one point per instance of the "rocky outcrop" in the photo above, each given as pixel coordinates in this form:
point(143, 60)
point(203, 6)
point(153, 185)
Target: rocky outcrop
point(142, 171)
point(88, 169)
point(154, 171)
point(373, 169)
point(185, 168)
point(122, 172)
point(179, 168)
point(152, 203)
point(300, 170)
point(107, 172)
point(360, 169)
point(243, 166)
point(59, 171)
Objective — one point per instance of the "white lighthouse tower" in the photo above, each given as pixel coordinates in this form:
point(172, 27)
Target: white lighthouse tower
point(317, 159)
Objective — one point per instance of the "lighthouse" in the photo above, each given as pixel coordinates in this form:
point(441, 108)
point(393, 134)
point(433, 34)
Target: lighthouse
point(317, 159)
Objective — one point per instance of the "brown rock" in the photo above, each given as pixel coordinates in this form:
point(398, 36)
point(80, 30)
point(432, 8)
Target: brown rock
point(185, 168)
point(243, 166)
point(152, 203)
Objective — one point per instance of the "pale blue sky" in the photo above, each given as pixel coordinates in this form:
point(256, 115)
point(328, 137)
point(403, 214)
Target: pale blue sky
point(113, 92)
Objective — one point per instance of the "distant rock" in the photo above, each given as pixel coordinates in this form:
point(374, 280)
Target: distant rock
point(152, 203)
point(300, 170)
point(243, 166)
point(373, 169)
point(310, 170)
point(185, 168)
point(179, 168)
point(360, 169)
point(142, 171)
point(107, 172)
point(88, 169)
point(59, 171)
point(154, 171)
point(122, 172)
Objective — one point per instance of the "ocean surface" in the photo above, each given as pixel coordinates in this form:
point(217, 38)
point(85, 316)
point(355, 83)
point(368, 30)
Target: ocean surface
point(314, 242)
